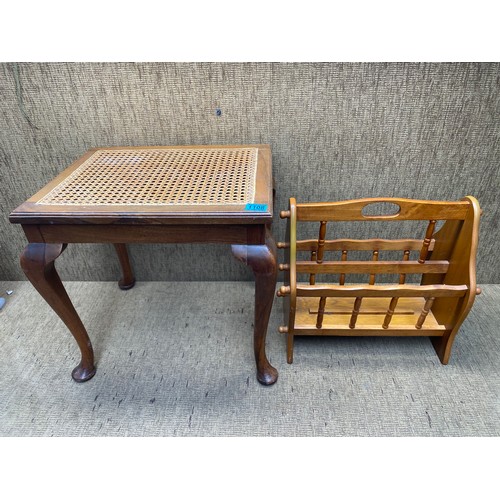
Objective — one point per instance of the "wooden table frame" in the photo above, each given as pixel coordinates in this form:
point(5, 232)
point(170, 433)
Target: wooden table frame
point(50, 229)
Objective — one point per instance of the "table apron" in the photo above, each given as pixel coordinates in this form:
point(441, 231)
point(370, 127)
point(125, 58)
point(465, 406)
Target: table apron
point(250, 234)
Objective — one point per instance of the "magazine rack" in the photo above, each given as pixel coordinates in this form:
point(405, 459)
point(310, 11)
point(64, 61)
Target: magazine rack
point(445, 259)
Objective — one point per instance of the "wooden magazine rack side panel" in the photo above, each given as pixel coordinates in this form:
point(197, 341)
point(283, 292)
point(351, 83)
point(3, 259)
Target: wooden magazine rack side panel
point(460, 240)
point(446, 260)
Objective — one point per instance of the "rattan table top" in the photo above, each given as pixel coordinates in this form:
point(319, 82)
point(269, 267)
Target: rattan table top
point(160, 177)
point(233, 180)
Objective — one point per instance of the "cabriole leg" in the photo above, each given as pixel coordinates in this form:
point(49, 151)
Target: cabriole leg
point(128, 279)
point(289, 348)
point(37, 262)
point(262, 260)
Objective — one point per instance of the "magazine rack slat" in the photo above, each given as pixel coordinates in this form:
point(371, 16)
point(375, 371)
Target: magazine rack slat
point(445, 259)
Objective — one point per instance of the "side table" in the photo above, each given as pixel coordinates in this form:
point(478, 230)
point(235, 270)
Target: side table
point(164, 194)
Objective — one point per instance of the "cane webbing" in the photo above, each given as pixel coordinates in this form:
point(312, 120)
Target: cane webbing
point(211, 176)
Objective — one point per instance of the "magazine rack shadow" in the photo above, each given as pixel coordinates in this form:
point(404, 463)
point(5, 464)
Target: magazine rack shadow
point(445, 259)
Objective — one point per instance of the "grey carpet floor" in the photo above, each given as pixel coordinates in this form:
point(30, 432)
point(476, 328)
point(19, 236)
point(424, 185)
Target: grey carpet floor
point(176, 359)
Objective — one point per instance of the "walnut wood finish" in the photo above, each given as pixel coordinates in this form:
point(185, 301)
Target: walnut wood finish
point(262, 261)
point(128, 279)
point(50, 227)
point(37, 262)
point(435, 308)
point(32, 212)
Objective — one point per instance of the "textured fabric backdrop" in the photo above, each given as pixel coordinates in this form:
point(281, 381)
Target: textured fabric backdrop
point(337, 131)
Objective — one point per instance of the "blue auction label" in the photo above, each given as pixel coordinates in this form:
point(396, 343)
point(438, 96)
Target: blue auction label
point(256, 207)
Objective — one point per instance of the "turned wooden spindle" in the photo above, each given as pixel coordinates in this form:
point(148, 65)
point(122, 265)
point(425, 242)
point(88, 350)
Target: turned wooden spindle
point(321, 312)
point(283, 244)
point(374, 258)
point(318, 255)
point(319, 259)
point(402, 277)
point(312, 277)
point(427, 241)
point(283, 329)
point(321, 242)
point(390, 312)
point(355, 312)
point(424, 313)
point(394, 300)
point(284, 267)
point(343, 258)
point(283, 290)
point(285, 214)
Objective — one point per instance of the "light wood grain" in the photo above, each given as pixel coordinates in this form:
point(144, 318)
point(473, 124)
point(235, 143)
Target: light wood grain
point(436, 307)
